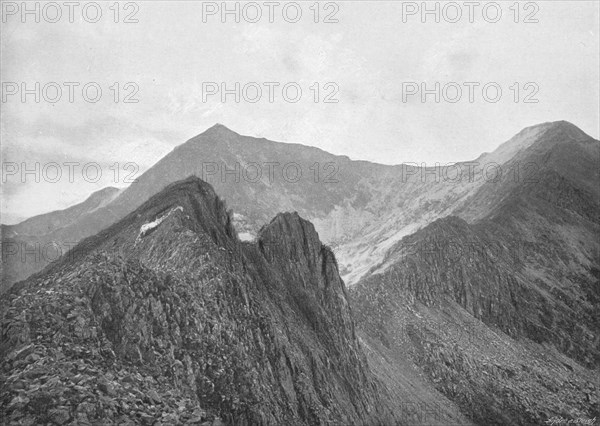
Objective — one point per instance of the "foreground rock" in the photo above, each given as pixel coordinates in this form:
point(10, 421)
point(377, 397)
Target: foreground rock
point(184, 324)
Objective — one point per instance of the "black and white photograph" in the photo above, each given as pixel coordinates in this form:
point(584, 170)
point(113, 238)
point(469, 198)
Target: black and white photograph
point(298, 213)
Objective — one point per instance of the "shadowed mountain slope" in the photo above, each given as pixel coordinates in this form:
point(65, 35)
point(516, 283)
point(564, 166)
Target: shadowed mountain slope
point(502, 312)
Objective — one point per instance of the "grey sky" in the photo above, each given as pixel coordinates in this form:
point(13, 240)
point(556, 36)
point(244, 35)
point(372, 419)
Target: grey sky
point(368, 54)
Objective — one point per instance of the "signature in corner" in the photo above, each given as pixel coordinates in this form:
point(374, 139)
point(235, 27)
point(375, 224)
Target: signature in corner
point(577, 421)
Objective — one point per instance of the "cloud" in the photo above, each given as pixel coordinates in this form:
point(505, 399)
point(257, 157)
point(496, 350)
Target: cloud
point(106, 139)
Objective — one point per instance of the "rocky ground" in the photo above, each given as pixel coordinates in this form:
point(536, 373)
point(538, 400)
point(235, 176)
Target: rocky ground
point(181, 323)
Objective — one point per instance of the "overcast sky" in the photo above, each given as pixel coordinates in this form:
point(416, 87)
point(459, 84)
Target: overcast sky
point(370, 55)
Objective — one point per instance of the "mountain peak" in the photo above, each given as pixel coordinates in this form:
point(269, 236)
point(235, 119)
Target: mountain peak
point(289, 237)
point(190, 205)
point(219, 128)
point(290, 224)
point(562, 127)
point(566, 129)
point(190, 186)
point(198, 198)
point(543, 132)
point(562, 123)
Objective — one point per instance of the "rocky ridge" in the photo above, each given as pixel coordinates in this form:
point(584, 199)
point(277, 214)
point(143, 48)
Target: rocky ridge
point(187, 325)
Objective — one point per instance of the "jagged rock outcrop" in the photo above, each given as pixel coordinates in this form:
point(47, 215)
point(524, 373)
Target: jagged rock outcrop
point(293, 245)
point(183, 323)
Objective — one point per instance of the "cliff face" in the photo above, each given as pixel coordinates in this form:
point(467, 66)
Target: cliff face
point(470, 308)
point(498, 278)
point(293, 245)
point(166, 316)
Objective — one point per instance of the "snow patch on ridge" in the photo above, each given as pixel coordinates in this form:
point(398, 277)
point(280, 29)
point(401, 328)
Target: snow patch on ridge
point(147, 227)
point(246, 236)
